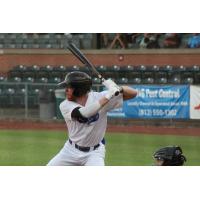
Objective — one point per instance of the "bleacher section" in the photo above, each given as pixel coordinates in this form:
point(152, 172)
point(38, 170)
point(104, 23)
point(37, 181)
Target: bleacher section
point(39, 78)
point(43, 40)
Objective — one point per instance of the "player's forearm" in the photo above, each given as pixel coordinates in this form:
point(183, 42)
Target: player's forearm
point(128, 92)
point(93, 108)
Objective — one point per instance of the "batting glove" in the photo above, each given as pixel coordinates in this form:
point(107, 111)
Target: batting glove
point(114, 91)
point(109, 84)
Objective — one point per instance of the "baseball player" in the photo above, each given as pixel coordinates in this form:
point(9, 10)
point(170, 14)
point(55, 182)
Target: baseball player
point(85, 113)
point(169, 156)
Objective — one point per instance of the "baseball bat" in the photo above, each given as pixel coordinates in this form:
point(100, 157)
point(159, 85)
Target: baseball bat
point(72, 47)
point(84, 60)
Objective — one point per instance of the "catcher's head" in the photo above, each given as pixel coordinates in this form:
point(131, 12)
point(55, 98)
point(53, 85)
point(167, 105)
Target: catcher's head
point(169, 156)
point(79, 82)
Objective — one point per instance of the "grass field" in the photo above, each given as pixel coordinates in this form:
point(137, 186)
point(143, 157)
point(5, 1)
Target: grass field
point(36, 148)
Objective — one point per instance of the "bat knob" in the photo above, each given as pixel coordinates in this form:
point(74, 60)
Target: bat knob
point(116, 93)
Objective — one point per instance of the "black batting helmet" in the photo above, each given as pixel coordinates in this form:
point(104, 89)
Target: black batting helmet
point(170, 155)
point(79, 81)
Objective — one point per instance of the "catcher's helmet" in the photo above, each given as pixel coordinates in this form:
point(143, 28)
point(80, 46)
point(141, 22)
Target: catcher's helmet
point(79, 81)
point(170, 155)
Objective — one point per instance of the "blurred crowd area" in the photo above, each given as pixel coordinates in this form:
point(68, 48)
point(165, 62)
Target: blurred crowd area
point(99, 40)
point(150, 40)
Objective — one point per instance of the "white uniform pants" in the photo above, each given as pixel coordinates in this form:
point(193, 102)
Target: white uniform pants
point(70, 156)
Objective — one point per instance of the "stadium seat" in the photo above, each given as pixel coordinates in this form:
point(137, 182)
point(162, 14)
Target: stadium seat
point(15, 79)
point(197, 77)
point(35, 36)
point(42, 80)
point(175, 79)
point(86, 41)
point(28, 80)
point(2, 36)
point(135, 80)
point(148, 80)
point(96, 80)
point(112, 72)
point(195, 68)
point(35, 46)
point(142, 68)
point(31, 71)
point(187, 74)
point(17, 71)
point(122, 80)
point(55, 46)
point(76, 40)
point(155, 68)
point(55, 80)
point(181, 68)
point(188, 80)
point(19, 98)
point(33, 98)
point(2, 78)
point(75, 68)
point(135, 75)
point(9, 93)
point(45, 71)
point(102, 70)
point(3, 98)
point(161, 80)
point(125, 71)
point(59, 72)
point(167, 68)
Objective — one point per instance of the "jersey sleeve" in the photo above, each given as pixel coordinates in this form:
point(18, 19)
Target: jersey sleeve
point(66, 108)
point(115, 102)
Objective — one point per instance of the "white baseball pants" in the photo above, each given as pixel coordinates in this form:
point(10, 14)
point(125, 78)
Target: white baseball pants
point(70, 156)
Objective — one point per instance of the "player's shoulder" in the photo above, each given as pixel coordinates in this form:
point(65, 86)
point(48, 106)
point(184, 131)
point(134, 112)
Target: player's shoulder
point(65, 104)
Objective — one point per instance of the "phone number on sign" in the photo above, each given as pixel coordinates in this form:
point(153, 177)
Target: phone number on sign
point(157, 112)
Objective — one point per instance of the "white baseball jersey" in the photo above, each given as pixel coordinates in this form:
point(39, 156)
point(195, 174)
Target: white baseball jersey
point(92, 132)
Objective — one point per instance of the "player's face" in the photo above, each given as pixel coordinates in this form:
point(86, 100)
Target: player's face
point(69, 94)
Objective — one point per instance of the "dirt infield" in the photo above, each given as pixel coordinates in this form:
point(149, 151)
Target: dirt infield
point(42, 125)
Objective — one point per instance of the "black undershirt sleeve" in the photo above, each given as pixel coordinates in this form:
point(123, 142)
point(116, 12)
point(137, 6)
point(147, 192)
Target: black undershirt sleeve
point(78, 116)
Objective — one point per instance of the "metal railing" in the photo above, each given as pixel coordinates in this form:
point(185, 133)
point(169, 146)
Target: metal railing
point(22, 99)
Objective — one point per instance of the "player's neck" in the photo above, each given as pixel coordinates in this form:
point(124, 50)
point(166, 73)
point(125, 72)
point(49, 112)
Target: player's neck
point(82, 100)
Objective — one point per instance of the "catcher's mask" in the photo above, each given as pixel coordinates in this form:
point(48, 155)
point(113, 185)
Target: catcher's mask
point(79, 81)
point(170, 155)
